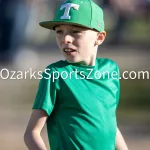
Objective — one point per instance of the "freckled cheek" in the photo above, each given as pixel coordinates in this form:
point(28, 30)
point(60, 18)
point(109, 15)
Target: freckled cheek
point(58, 42)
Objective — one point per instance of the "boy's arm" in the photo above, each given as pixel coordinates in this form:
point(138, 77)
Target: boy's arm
point(32, 137)
point(120, 142)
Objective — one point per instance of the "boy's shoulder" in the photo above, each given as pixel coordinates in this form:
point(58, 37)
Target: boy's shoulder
point(106, 61)
point(107, 64)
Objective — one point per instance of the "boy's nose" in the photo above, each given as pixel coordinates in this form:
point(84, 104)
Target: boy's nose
point(67, 39)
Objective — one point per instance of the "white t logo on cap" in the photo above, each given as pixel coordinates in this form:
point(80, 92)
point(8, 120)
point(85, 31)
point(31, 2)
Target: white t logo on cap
point(67, 9)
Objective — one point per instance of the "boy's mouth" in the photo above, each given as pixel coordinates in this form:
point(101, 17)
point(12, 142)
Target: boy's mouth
point(69, 50)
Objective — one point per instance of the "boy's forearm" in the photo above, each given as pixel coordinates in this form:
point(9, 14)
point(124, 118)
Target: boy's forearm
point(120, 142)
point(34, 141)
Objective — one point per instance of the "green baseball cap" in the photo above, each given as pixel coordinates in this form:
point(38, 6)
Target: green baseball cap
point(83, 13)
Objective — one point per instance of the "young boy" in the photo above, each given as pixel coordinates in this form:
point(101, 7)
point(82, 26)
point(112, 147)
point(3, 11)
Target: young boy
point(77, 104)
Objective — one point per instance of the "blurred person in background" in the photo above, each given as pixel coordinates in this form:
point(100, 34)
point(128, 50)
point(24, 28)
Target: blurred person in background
point(144, 8)
point(13, 20)
point(123, 11)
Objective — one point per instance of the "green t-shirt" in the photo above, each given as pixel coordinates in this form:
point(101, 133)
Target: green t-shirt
point(81, 104)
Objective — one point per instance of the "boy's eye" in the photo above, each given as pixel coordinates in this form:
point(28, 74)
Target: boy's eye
point(59, 31)
point(76, 31)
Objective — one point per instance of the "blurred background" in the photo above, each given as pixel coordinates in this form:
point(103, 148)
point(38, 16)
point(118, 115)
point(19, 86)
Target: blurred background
point(24, 45)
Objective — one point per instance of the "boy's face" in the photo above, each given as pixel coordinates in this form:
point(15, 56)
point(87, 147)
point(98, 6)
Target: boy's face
point(78, 44)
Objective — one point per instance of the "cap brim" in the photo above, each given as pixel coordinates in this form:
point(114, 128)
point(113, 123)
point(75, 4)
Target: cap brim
point(52, 24)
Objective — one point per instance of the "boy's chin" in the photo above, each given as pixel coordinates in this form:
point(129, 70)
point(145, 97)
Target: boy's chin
point(72, 61)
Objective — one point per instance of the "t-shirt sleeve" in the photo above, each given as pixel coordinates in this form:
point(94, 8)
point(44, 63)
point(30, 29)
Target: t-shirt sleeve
point(46, 95)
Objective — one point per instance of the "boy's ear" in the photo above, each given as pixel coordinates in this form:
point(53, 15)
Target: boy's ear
point(100, 38)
